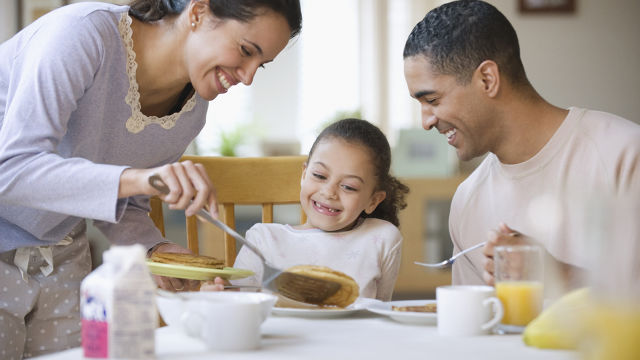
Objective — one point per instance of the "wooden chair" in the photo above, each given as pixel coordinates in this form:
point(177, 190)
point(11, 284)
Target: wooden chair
point(265, 181)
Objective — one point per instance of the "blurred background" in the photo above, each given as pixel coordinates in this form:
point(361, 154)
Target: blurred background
point(347, 62)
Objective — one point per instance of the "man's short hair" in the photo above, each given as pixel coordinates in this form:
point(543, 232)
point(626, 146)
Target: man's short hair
point(458, 36)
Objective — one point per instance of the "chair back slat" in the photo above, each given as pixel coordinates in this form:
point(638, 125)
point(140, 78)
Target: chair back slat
point(265, 181)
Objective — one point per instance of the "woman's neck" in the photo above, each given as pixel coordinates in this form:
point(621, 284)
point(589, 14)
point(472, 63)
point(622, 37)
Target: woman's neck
point(161, 75)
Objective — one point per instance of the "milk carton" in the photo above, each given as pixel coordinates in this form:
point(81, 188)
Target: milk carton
point(118, 307)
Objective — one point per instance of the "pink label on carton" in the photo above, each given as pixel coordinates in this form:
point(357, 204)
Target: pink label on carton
point(95, 339)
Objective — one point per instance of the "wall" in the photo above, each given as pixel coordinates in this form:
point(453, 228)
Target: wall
point(587, 59)
point(8, 19)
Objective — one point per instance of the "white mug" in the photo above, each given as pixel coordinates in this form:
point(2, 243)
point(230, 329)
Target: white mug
point(467, 310)
point(228, 321)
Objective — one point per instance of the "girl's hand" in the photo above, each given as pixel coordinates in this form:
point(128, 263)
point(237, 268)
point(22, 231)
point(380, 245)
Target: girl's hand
point(189, 186)
point(216, 285)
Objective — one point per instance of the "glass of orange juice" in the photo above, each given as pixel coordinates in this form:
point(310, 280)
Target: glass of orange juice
point(519, 286)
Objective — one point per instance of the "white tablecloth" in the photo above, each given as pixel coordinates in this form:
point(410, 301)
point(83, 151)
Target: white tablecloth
point(359, 336)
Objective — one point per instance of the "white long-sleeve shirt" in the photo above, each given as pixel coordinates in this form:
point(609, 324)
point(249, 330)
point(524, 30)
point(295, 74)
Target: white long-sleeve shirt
point(369, 253)
point(70, 123)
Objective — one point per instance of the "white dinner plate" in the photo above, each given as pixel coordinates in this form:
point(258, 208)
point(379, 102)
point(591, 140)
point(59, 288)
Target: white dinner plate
point(408, 317)
point(324, 313)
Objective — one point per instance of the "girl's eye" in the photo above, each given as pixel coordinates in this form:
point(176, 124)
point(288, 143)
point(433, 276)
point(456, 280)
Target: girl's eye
point(245, 51)
point(319, 176)
point(349, 188)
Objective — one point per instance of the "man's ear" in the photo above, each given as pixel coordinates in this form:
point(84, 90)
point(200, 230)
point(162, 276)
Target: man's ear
point(487, 76)
point(375, 200)
point(197, 11)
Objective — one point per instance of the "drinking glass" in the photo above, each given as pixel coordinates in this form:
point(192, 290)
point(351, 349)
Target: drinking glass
point(519, 284)
point(612, 324)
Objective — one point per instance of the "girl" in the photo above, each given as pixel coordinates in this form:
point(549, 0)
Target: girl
point(94, 98)
point(351, 202)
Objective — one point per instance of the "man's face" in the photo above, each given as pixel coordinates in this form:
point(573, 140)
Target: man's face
point(455, 110)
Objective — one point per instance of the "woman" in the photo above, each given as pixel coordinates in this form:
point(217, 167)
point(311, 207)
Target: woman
point(94, 98)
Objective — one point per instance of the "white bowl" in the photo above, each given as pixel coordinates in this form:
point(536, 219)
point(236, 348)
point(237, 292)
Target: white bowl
point(172, 305)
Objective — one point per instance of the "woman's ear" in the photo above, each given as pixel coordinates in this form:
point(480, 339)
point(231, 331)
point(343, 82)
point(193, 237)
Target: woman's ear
point(375, 200)
point(487, 76)
point(304, 172)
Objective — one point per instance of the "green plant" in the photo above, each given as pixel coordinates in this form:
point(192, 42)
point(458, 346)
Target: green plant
point(229, 141)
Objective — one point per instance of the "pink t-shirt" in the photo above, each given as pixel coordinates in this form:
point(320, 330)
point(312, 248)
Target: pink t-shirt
point(553, 197)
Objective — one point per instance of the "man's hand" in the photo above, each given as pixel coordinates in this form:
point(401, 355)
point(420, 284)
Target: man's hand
point(174, 284)
point(501, 237)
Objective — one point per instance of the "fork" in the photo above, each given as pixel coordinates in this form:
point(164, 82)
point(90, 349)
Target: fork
point(294, 286)
point(450, 260)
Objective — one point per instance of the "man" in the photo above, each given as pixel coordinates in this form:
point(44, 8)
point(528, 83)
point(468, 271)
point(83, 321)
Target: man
point(545, 164)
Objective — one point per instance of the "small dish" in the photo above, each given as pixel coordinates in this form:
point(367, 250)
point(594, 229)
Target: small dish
point(172, 306)
point(407, 317)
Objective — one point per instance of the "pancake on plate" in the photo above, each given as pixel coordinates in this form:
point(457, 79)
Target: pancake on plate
point(429, 308)
point(349, 289)
point(187, 259)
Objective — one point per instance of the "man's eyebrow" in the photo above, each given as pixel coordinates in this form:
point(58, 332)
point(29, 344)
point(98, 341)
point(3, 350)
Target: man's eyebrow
point(256, 46)
point(422, 93)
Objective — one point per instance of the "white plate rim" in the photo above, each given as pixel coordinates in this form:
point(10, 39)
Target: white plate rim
point(359, 305)
point(315, 313)
point(411, 317)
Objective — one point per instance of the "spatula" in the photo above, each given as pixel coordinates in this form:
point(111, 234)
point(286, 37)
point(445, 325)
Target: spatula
point(294, 286)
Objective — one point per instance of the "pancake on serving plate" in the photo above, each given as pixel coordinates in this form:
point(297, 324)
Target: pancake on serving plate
point(188, 259)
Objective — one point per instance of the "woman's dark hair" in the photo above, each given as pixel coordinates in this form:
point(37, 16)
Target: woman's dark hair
point(458, 36)
point(241, 10)
point(364, 133)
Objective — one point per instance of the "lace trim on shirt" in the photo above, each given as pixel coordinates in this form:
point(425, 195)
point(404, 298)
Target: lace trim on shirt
point(138, 121)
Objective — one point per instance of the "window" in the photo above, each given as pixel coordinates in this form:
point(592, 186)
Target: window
point(347, 58)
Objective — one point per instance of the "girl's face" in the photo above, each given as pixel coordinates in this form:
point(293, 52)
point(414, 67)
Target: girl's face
point(338, 183)
point(222, 53)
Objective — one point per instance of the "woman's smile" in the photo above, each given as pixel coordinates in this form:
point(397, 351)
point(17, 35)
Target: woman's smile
point(224, 81)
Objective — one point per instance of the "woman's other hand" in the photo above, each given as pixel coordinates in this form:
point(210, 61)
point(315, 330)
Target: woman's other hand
point(174, 284)
point(189, 186)
point(216, 285)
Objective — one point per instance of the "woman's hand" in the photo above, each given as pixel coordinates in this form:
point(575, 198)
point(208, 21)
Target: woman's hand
point(216, 285)
point(189, 186)
point(174, 284)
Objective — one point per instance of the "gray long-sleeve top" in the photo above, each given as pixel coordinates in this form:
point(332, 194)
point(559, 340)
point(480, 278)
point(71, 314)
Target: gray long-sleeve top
point(70, 123)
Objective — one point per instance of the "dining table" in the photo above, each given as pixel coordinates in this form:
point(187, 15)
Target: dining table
point(357, 335)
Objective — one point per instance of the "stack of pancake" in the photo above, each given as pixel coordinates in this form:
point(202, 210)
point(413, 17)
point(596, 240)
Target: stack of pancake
point(188, 259)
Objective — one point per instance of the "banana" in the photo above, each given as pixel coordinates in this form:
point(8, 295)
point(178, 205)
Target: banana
point(561, 325)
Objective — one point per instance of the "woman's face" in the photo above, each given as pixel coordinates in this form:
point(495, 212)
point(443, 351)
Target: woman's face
point(222, 53)
point(338, 184)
